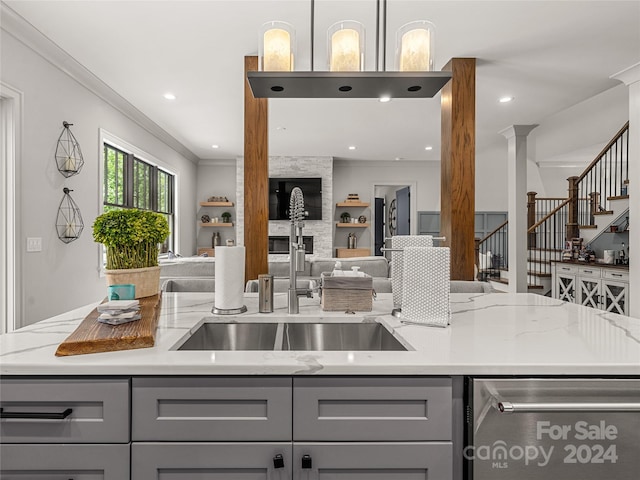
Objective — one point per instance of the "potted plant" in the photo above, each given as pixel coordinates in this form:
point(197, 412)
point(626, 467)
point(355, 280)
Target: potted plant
point(226, 217)
point(131, 238)
point(345, 217)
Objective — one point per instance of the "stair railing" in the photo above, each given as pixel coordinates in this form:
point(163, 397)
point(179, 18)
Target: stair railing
point(603, 180)
point(496, 242)
point(546, 240)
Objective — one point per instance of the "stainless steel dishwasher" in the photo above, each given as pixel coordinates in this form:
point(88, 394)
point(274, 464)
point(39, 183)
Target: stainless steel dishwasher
point(552, 428)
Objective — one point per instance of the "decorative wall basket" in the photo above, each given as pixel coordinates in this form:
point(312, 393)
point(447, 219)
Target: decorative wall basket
point(146, 280)
point(69, 160)
point(69, 223)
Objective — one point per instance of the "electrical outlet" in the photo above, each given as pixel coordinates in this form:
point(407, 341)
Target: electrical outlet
point(34, 244)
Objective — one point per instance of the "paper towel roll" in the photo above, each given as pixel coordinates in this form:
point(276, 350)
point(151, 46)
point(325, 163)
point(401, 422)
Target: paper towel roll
point(229, 294)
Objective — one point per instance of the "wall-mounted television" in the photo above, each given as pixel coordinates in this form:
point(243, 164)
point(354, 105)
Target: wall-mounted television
point(280, 192)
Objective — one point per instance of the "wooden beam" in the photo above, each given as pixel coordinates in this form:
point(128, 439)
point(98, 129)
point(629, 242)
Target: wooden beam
point(457, 176)
point(256, 178)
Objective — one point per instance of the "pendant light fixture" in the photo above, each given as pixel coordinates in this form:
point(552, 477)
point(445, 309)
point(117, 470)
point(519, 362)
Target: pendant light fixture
point(346, 46)
point(414, 47)
point(346, 76)
point(277, 47)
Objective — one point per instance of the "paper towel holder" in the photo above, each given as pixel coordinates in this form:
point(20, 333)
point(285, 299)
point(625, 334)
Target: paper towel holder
point(228, 311)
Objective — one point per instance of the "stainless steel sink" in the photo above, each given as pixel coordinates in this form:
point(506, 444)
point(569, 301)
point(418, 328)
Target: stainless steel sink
point(292, 336)
point(339, 336)
point(232, 336)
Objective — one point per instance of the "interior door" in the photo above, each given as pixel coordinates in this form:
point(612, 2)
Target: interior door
point(403, 211)
point(379, 226)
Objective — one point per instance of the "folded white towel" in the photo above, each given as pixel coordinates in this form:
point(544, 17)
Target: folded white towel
point(425, 286)
point(401, 242)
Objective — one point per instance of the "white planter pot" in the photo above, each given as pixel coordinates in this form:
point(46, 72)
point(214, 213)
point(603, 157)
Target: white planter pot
point(146, 280)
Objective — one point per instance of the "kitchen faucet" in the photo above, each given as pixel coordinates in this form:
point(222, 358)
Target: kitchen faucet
point(296, 249)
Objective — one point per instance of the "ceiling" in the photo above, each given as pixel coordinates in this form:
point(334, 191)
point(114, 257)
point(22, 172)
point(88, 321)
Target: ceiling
point(548, 55)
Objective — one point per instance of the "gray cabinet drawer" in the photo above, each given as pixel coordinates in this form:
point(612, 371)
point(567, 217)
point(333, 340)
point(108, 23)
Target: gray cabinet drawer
point(211, 409)
point(388, 461)
point(64, 462)
point(99, 410)
point(211, 461)
point(372, 409)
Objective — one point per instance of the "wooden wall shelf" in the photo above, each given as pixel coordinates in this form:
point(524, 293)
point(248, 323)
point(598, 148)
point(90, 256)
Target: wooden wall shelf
point(216, 224)
point(352, 225)
point(352, 204)
point(216, 204)
point(352, 252)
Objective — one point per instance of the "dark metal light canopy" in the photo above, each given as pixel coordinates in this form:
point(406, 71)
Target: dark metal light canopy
point(346, 84)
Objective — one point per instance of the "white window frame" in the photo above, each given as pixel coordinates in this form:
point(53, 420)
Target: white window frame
point(123, 145)
point(11, 109)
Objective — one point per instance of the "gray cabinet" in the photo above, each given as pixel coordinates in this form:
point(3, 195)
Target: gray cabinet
point(371, 408)
point(392, 428)
point(211, 409)
point(211, 461)
point(64, 462)
point(372, 461)
point(62, 428)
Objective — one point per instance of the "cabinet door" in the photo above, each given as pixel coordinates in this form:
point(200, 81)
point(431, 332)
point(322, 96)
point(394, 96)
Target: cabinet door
point(210, 461)
point(64, 462)
point(589, 292)
point(565, 287)
point(211, 409)
point(372, 409)
point(373, 461)
point(614, 296)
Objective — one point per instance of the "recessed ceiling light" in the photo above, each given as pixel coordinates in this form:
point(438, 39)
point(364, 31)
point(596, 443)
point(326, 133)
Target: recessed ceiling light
point(352, 147)
point(399, 158)
point(215, 146)
point(169, 96)
point(505, 99)
point(281, 128)
point(384, 99)
point(428, 147)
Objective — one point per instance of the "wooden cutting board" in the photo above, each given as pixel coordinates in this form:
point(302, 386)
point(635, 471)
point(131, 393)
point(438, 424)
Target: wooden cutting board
point(92, 336)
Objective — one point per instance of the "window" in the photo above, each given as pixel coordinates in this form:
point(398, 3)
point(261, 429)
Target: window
point(130, 182)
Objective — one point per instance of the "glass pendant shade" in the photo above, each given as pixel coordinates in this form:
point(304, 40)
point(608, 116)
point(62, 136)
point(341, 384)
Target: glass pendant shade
point(414, 47)
point(346, 46)
point(277, 47)
point(69, 223)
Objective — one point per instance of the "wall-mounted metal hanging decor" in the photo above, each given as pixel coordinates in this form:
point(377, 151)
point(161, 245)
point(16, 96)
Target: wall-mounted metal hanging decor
point(68, 154)
point(69, 224)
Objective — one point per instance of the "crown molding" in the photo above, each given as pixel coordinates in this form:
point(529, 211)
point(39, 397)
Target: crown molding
point(215, 162)
point(19, 28)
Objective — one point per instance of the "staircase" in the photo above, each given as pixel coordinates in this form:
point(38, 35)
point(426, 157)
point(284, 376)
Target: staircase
point(596, 199)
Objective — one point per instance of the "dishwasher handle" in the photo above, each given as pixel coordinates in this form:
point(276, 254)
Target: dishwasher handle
point(511, 407)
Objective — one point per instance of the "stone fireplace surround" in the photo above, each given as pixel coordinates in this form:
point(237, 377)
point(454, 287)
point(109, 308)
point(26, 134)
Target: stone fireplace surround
point(320, 230)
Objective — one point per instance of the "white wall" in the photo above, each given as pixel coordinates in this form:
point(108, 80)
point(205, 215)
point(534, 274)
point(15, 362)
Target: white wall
point(65, 276)
point(565, 143)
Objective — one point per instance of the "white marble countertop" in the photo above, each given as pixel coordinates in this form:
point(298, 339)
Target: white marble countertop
point(490, 334)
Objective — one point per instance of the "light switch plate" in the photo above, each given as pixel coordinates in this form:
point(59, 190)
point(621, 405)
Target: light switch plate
point(34, 244)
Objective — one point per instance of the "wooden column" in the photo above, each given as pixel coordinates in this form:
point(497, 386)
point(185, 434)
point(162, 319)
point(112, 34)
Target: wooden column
point(256, 178)
point(457, 176)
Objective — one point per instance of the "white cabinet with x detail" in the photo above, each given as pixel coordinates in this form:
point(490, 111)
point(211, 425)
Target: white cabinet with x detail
point(596, 286)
